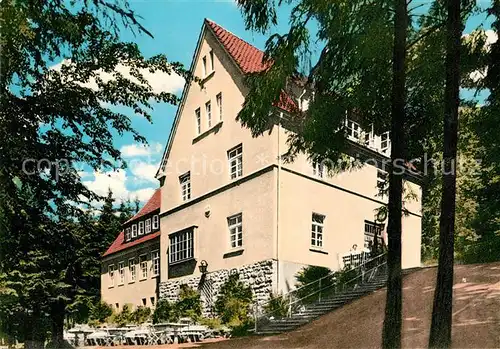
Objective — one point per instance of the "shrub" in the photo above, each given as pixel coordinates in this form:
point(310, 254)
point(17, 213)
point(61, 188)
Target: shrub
point(100, 311)
point(124, 317)
point(141, 315)
point(277, 306)
point(233, 303)
point(308, 289)
point(164, 312)
point(212, 323)
point(189, 303)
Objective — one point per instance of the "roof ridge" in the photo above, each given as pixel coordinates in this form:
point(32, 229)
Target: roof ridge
point(233, 34)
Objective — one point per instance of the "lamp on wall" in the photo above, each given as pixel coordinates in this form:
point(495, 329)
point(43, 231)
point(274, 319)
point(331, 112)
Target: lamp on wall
point(203, 266)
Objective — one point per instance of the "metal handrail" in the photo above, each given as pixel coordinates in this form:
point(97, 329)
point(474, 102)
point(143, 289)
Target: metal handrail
point(289, 295)
point(332, 273)
point(372, 270)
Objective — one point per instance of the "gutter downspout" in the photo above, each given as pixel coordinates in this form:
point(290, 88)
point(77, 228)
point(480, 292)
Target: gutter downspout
point(278, 197)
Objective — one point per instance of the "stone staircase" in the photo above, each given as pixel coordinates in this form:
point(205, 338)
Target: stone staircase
point(314, 310)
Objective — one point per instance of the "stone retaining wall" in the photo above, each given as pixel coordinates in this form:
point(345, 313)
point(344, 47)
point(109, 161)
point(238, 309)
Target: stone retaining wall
point(259, 276)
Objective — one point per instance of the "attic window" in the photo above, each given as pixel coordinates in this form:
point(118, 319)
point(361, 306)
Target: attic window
point(212, 61)
point(204, 59)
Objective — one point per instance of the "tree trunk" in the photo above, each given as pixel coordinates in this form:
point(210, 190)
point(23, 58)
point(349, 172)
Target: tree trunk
point(440, 334)
point(391, 337)
point(35, 334)
point(57, 325)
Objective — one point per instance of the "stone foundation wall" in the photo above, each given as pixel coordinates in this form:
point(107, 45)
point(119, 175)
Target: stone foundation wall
point(259, 276)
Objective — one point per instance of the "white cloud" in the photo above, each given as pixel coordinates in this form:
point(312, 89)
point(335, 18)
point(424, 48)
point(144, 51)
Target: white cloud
point(142, 194)
point(137, 149)
point(491, 38)
point(159, 81)
point(143, 171)
point(116, 181)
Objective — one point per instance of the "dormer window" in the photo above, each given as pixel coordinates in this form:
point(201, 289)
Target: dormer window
point(134, 231)
point(141, 228)
point(156, 222)
point(127, 234)
point(148, 225)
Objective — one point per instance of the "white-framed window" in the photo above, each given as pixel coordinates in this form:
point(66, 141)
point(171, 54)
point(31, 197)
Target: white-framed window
point(317, 230)
point(204, 61)
point(134, 230)
point(143, 264)
point(181, 246)
point(185, 181)
point(235, 157)
point(111, 275)
point(197, 114)
point(208, 112)
point(127, 234)
point(381, 181)
point(132, 273)
point(384, 142)
point(371, 230)
point(318, 168)
point(235, 224)
point(147, 225)
point(141, 228)
point(121, 272)
point(155, 263)
point(218, 98)
point(353, 129)
point(156, 222)
point(212, 63)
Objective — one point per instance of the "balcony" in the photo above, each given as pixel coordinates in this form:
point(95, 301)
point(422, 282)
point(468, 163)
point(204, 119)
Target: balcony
point(379, 143)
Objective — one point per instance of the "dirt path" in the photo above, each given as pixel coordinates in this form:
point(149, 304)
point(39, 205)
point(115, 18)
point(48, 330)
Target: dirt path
point(476, 317)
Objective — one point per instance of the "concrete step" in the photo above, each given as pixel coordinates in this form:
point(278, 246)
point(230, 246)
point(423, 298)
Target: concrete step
point(314, 310)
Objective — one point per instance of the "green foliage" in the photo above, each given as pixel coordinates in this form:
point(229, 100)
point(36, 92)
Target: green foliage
point(123, 317)
point(100, 311)
point(308, 285)
point(164, 312)
point(55, 105)
point(277, 306)
point(141, 315)
point(212, 323)
point(233, 302)
point(189, 303)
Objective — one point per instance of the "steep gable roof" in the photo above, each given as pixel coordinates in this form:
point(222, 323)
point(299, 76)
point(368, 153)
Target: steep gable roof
point(247, 58)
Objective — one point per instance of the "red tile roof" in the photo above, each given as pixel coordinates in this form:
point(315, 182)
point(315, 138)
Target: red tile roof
point(248, 58)
point(153, 204)
point(119, 245)
point(150, 206)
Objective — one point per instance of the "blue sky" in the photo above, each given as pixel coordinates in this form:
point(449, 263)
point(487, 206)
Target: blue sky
point(176, 25)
